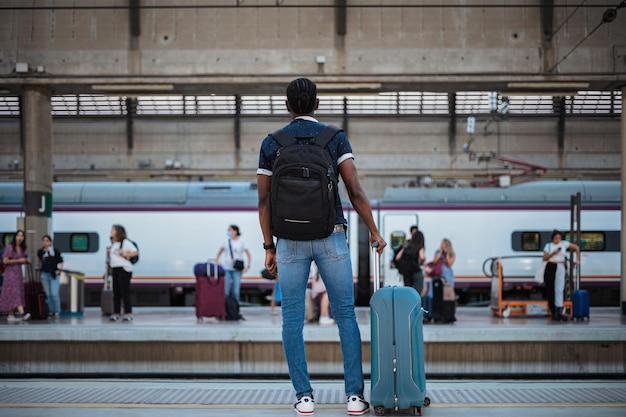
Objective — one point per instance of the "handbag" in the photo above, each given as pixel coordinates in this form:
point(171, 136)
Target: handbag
point(435, 269)
point(448, 291)
point(265, 273)
point(540, 272)
point(238, 264)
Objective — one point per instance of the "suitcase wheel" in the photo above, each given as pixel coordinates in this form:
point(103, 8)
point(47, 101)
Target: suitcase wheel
point(426, 401)
point(417, 411)
point(379, 410)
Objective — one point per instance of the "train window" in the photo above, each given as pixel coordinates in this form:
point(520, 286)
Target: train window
point(7, 237)
point(598, 241)
point(77, 242)
point(397, 239)
point(590, 241)
point(531, 241)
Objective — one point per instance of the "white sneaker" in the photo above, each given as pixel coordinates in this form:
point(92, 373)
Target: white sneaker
point(305, 406)
point(325, 320)
point(11, 319)
point(25, 316)
point(357, 406)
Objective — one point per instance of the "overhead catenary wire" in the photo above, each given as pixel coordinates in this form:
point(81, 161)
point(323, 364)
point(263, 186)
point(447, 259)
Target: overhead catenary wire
point(568, 18)
point(608, 16)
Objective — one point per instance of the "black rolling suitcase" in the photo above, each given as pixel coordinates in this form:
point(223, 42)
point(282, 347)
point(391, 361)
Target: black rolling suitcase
point(398, 380)
point(106, 296)
point(443, 303)
point(35, 296)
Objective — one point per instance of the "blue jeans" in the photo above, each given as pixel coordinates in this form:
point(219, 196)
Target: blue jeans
point(333, 260)
point(50, 284)
point(232, 283)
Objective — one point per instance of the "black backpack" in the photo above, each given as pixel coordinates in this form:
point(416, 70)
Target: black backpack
point(134, 259)
point(232, 309)
point(304, 196)
point(408, 264)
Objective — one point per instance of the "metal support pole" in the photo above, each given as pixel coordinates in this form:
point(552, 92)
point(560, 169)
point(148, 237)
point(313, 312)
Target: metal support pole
point(623, 228)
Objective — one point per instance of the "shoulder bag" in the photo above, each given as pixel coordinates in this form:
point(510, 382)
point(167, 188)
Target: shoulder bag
point(237, 263)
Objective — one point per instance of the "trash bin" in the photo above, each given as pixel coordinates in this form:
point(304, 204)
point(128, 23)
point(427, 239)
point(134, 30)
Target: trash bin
point(72, 293)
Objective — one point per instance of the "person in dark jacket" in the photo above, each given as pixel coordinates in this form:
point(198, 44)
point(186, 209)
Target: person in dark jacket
point(413, 253)
point(51, 262)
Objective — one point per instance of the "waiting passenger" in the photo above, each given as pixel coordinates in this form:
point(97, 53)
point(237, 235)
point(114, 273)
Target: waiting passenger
point(12, 295)
point(51, 261)
point(120, 252)
point(291, 259)
point(320, 296)
point(442, 264)
point(409, 261)
point(230, 256)
point(554, 275)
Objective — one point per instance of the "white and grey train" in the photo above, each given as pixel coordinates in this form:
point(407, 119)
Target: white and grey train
point(178, 224)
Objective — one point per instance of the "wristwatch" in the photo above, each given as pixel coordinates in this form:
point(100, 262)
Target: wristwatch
point(270, 246)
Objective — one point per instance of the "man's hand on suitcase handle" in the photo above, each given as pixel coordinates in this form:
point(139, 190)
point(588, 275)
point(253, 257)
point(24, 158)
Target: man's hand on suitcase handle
point(378, 243)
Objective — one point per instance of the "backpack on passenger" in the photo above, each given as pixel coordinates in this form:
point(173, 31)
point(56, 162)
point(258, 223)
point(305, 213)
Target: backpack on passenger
point(408, 264)
point(134, 259)
point(304, 195)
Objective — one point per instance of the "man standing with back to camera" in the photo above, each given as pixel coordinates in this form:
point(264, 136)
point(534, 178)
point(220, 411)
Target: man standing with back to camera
point(291, 259)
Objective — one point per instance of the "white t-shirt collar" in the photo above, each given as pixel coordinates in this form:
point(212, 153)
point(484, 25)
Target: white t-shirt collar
point(307, 118)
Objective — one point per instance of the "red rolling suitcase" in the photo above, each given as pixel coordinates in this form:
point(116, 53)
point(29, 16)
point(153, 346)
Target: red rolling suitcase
point(36, 299)
point(210, 300)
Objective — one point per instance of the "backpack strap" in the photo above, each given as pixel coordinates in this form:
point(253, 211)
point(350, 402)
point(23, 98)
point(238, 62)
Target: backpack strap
point(321, 140)
point(326, 135)
point(282, 137)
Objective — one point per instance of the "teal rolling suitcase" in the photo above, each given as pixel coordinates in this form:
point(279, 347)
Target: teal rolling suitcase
point(398, 381)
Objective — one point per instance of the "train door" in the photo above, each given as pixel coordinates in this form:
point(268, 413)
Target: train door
point(395, 230)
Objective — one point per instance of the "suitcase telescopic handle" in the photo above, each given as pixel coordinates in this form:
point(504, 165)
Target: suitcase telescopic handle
point(376, 256)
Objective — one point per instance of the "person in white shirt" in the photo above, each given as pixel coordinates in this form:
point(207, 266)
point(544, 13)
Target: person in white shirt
point(554, 275)
point(120, 252)
point(233, 250)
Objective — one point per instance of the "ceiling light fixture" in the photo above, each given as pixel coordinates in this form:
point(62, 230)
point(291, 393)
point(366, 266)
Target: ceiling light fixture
point(552, 85)
point(132, 87)
point(347, 86)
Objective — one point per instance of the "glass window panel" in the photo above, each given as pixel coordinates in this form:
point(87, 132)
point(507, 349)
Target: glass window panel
point(531, 241)
point(590, 241)
point(79, 242)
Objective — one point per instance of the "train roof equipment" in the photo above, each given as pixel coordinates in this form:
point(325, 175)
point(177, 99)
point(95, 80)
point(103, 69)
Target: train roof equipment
point(532, 193)
point(195, 194)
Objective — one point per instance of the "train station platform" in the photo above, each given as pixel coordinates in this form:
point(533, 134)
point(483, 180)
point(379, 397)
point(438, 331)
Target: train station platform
point(169, 342)
point(253, 398)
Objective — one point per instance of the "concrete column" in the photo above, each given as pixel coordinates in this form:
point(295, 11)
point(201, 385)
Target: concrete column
point(623, 229)
point(37, 134)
